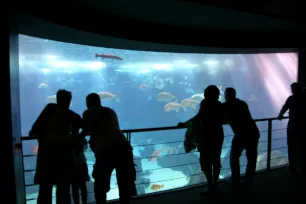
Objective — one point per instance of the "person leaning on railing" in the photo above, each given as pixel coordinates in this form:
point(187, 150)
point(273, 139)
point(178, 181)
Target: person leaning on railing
point(112, 151)
point(206, 132)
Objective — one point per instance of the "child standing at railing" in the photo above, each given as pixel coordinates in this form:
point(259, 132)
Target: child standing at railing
point(81, 172)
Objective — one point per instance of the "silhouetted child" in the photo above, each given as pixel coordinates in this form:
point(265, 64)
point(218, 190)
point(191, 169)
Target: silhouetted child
point(81, 174)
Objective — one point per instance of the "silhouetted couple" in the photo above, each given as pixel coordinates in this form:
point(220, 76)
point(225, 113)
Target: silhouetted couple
point(211, 116)
point(61, 160)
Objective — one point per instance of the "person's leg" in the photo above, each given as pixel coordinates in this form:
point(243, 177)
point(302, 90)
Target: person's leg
point(83, 189)
point(251, 154)
point(63, 192)
point(75, 193)
point(206, 167)
point(126, 174)
point(102, 174)
point(217, 162)
point(45, 193)
point(292, 146)
point(235, 154)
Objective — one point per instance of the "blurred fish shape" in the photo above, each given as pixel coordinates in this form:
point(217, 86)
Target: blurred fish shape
point(107, 96)
point(108, 56)
point(220, 89)
point(197, 97)
point(252, 98)
point(173, 106)
point(43, 85)
point(52, 99)
point(165, 96)
point(156, 187)
point(143, 86)
point(156, 154)
point(189, 102)
point(34, 150)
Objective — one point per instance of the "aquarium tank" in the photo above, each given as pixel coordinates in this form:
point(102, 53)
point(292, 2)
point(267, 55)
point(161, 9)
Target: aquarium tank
point(152, 89)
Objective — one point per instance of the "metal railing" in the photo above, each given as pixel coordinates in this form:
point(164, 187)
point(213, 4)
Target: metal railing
point(272, 150)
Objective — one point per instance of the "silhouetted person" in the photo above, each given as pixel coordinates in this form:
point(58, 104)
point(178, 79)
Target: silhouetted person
point(209, 143)
point(56, 129)
point(246, 136)
point(81, 172)
point(295, 129)
point(112, 151)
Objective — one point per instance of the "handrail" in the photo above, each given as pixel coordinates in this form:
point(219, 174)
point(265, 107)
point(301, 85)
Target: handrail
point(130, 131)
point(164, 128)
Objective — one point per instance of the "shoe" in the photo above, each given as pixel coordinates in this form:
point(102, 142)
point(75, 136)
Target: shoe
point(208, 191)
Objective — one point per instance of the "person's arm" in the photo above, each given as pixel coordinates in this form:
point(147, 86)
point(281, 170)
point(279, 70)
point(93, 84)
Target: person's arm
point(40, 124)
point(284, 108)
point(85, 124)
point(183, 124)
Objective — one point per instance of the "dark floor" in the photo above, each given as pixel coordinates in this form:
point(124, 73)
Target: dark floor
point(276, 186)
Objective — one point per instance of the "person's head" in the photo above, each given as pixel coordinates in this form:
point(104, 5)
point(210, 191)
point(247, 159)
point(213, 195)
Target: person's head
point(92, 100)
point(296, 88)
point(63, 98)
point(230, 94)
point(212, 92)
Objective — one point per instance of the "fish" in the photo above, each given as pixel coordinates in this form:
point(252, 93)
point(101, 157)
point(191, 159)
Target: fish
point(156, 187)
point(165, 96)
point(107, 96)
point(35, 149)
point(43, 85)
point(143, 86)
point(189, 91)
point(52, 99)
point(108, 56)
point(156, 154)
point(188, 102)
point(173, 106)
point(253, 98)
point(220, 89)
point(171, 150)
point(197, 97)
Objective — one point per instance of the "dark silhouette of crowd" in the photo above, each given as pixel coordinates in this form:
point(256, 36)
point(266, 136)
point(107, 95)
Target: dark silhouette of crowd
point(61, 136)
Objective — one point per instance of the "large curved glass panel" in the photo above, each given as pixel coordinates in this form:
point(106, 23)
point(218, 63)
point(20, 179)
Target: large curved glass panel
point(153, 89)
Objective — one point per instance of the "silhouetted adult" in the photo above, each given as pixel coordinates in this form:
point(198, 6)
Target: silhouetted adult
point(246, 137)
point(112, 151)
point(56, 129)
point(295, 129)
point(210, 140)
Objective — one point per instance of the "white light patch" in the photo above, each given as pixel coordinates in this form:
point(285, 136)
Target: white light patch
point(212, 63)
point(161, 67)
point(45, 70)
point(77, 66)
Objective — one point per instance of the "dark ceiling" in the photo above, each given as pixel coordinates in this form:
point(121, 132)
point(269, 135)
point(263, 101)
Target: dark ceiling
point(162, 21)
point(204, 14)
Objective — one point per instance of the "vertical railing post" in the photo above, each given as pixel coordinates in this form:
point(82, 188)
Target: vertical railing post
point(269, 145)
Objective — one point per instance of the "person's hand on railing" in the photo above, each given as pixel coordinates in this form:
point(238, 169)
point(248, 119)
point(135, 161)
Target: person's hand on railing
point(280, 117)
point(180, 124)
point(32, 134)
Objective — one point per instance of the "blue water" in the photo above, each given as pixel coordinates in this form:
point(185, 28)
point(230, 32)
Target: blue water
point(46, 66)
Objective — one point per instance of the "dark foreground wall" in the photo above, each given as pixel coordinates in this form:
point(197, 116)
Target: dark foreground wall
point(7, 162)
